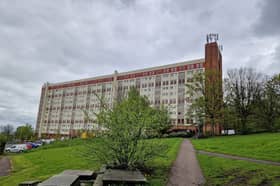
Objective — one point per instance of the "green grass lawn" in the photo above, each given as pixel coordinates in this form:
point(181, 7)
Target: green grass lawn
point(161, 165)
point(53, 159)
point(264, 146)
point(221, 171)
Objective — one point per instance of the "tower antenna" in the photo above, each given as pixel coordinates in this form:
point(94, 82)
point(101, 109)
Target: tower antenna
point(212, 37)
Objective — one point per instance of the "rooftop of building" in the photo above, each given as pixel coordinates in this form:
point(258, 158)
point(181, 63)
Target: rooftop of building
point(201, 60)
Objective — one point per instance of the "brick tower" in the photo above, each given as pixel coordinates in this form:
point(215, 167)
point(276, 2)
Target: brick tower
point(213, 85)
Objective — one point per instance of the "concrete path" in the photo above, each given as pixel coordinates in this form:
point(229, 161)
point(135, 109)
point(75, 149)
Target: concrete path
point(185, 171)
point(238, 158)
point(5, 166)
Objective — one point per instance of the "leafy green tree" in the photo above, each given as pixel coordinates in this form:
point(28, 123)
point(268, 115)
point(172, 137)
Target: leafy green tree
point(196, 111)
point(230, 119)
point(7, 130)
point(206, 93)
point(124, 129)
point(268, 109)
point(24, 132)
point(161, 122)
point(243, 90)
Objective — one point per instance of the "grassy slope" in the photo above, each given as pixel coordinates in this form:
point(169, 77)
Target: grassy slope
point(221, 171)
point(162, 164)
point(43, 163)
point(260, 146)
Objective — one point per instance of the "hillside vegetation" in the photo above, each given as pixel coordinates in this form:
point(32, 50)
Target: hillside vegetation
point(52, 159)
point(223, 171)
point(264, 146)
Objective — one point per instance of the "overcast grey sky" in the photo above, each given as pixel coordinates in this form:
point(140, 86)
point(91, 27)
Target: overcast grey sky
point(70, 39)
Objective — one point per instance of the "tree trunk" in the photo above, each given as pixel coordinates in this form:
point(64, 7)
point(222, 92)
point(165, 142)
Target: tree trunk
point(213, 126)
point(243, 126)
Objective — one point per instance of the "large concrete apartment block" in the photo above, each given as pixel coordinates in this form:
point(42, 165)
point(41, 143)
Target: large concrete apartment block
point(62, 105)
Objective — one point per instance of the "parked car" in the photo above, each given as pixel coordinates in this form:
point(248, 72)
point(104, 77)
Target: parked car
point(39, 143)
point(8, 145)
point(16, 148)
point(48, 141)
point(28, 146)
point(33, 145)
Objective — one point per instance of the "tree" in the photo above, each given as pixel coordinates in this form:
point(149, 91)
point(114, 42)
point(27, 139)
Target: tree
point(243, 90)
point(197, 112)
point(205, 90)
point(269, 105)
point(3, 141)
point(230, 119)
point(162, 123)
point(7, 130)
point(125, 127)
point(24, 132)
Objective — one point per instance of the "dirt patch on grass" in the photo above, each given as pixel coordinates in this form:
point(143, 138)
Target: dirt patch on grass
point(265, 182)
point(237, 177)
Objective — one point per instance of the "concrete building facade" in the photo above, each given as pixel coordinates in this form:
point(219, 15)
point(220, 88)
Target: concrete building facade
point(62, 105)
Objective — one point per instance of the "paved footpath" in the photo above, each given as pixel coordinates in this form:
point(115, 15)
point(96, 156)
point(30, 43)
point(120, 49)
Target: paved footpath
point(238, 158)
point(186, 171)
point(5, 166)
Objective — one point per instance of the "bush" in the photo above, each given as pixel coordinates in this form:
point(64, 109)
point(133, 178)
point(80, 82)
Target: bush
point(126, 125)
point(182, 134)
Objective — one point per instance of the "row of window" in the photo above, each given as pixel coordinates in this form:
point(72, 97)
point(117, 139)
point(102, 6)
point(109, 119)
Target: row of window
point(165, 101)
point(168, 93)
point(81, 93)
point(166, 88)
point(182, 121)
point(87, 106)
point(73, 107)
point(145, 85)
point(63, 121)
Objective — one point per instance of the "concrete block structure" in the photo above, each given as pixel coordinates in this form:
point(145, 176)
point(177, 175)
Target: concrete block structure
point(62, 105)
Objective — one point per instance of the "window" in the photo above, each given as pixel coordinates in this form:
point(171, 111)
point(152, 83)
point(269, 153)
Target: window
point(190, 72)
point(181, 81)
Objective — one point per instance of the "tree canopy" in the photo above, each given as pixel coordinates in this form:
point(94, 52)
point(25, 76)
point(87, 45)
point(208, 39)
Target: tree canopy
point(268, 108)
point(7, 131)
point(24, 132)
point(205, 91)
point(243, 89)
point(125, 127)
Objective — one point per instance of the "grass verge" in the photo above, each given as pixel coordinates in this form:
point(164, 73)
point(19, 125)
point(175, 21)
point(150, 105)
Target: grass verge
point(221, 171)
point(42, 163)
point(264, 146)
point(162, 164)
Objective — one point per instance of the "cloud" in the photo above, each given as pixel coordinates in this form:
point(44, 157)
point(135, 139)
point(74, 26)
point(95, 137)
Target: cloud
point(65, 40)
point(275, 64)
point(268, 23)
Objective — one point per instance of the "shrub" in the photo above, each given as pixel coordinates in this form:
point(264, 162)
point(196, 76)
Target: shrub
point(182, 134)
point(125, 126)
